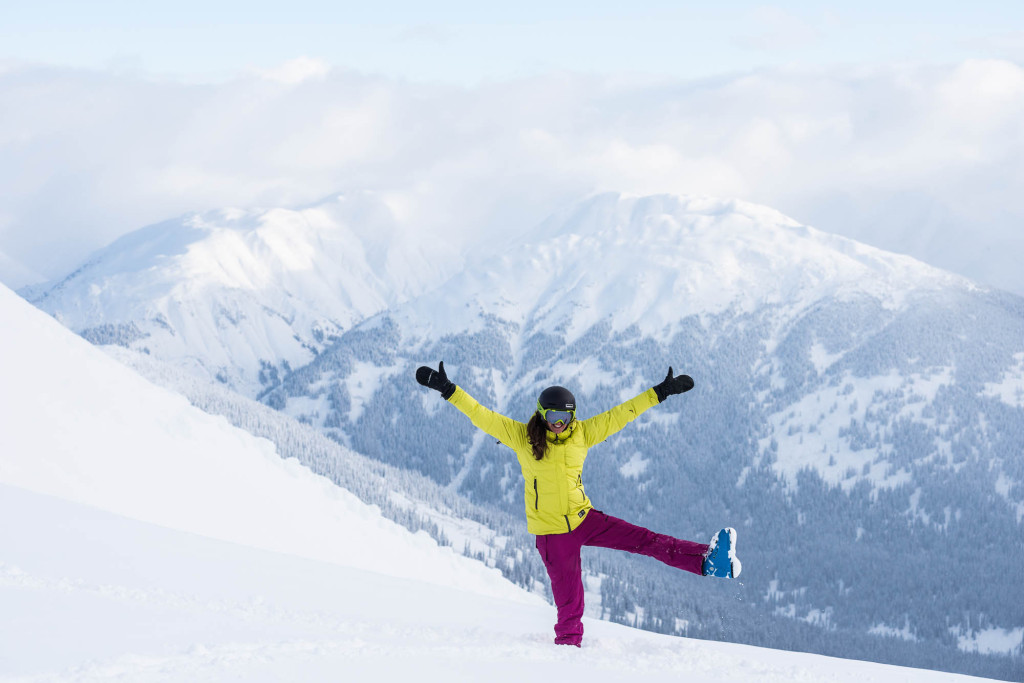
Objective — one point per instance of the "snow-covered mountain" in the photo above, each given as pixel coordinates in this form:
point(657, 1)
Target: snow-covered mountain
point(80, 426)
point(857, 413)
point(658, 281)
point(144, 540)
point(849, 401)
point(242, 294)
point(652, 262)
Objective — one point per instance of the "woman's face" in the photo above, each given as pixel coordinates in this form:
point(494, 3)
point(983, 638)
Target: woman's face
point(557, 420)
point(558, 428)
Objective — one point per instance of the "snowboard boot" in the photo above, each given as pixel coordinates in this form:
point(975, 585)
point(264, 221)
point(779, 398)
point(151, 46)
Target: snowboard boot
point(721, 558)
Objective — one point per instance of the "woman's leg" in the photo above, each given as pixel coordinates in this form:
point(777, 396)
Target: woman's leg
point(610, 532)
point(561, 556)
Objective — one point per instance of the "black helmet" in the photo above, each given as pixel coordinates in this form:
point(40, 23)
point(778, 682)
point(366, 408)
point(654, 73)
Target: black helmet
point(556, 398)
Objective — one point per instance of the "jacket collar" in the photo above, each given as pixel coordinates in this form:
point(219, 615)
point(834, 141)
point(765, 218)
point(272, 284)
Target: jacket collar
point(564, 436)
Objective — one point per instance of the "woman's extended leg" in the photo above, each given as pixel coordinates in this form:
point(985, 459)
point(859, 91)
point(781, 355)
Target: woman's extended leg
point(604, 531)
point(561, 556)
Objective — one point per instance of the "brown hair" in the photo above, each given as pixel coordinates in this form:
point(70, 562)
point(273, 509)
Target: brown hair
point(537, 433)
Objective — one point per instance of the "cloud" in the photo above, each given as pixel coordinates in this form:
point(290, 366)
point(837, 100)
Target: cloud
point(297, 71)
point(923, 160)
point(15, 275)
point(1005, 45)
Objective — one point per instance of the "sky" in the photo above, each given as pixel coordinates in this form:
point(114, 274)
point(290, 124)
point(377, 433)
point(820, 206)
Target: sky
point(895, 123)
point(471, 42)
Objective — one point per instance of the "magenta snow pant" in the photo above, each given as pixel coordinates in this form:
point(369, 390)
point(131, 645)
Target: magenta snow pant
point(561, 556)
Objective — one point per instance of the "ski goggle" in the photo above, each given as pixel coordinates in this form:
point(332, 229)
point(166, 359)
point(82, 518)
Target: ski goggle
point(552, 416)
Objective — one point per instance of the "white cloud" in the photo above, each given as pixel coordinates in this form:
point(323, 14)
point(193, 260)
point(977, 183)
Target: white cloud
point(924, 160)
point(1007, 45)
point(297, 71)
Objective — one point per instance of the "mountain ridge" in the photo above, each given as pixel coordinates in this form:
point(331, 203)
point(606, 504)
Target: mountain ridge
point(239, 294)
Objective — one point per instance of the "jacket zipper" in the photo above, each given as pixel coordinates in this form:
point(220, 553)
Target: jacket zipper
point(536, 504)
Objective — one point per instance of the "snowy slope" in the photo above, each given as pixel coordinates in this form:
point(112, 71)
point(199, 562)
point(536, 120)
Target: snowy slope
point(108, 598)
point(232, 292)
point(78, 425)
point(143, 540)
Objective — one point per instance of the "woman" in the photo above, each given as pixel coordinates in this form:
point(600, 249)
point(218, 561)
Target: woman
point(551, 449)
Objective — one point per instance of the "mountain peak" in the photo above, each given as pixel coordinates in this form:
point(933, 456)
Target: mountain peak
point(238, 292)
point(655, 260)
point(234, 290)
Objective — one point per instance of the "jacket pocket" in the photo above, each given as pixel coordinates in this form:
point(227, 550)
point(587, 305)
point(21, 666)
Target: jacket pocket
point(536, 495)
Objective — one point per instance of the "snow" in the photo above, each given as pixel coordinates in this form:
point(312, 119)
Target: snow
point(143, 540)
point(111, 598)
point(115, 441)
point(990, 640)
point(588, 374)
point(1003, 487)
point(635, 467)
point(904, 633)
point(308, 409)
point(821, 358)
point(461, 533)
point(363, 383)
point(228, 289)
point(1010, 389)
point(809, 433)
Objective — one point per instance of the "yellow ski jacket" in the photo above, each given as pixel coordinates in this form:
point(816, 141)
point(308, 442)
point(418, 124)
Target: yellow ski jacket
point(553, 486)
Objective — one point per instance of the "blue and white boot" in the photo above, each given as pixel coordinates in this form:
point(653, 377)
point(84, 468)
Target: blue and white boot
point(721, 559)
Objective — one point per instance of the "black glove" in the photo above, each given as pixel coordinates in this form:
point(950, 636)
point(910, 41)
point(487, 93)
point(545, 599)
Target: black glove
point(672, 385)
point(436, 380)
